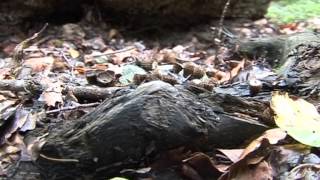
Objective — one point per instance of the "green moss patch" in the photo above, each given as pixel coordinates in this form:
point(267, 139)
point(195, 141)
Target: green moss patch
point(286, 11)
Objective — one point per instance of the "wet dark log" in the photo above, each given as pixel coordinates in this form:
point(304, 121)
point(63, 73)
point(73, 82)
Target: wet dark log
point(132, 129)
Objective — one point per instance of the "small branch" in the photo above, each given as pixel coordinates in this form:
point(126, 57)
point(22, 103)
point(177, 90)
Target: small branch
point(18, 50)
point(115, 52)
point(224, 12)
point(81, 92)
point(69, 108)
point(59, 160)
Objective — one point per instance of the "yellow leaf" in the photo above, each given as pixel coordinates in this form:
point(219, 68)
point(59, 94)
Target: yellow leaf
point(74, 53)
point(299, 118)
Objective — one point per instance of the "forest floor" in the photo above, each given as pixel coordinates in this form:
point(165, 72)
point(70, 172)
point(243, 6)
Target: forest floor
point(100, 55)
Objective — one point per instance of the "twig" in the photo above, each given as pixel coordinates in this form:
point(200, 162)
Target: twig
point(115, 52)
point(69, 108)
point(59, 160)
point(69, 61)
point(224, 12)
point(81, 92)
point(18, 50)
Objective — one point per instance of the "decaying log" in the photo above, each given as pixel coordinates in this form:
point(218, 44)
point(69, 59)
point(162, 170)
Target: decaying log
point(133, 128)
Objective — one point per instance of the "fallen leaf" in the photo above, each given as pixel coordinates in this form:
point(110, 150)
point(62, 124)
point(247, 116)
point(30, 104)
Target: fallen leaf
point(128, 73)
point(52, 94)
point(235, 71)
point(284, 158)
point(273, 136)
point(261, 171)
point(299, 118)
point(74, 53)
point(203, 165)
point(233, 154)
point(40, 64)
point(31, 120)
point(251, 166)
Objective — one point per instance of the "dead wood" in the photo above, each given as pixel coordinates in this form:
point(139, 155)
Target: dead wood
point(83, 93)
point(133, 128)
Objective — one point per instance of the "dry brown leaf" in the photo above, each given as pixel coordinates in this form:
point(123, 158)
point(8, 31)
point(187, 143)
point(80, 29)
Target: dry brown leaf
point(40, 64)
point(235, 71)
point(260, 171)
point(232, 154)
point(52, 95)
point(251, 165)
point(203, 165)
point(273, 136)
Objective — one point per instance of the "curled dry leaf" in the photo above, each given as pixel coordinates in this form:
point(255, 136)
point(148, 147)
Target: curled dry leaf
point(273, 136)
point(251, 166)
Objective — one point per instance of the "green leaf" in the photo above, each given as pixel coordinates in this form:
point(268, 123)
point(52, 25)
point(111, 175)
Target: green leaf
point(128, 73)
point(298, 118)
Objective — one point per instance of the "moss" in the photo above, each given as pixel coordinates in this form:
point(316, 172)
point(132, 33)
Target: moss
point(287, 11)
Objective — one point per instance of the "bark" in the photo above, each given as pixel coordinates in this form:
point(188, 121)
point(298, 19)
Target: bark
point(133, 128)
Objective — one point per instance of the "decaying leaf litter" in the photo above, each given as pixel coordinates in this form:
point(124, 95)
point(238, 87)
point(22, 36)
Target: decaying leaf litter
point(63, 72)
